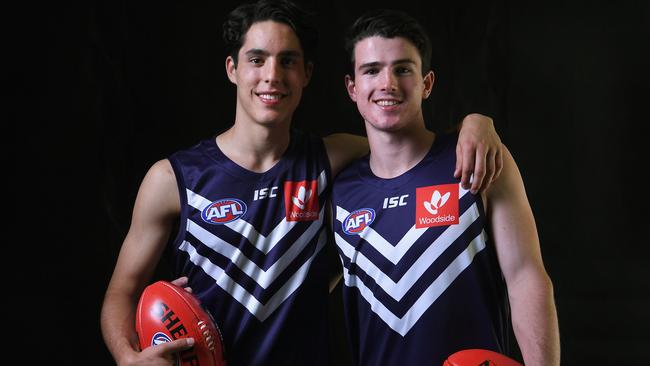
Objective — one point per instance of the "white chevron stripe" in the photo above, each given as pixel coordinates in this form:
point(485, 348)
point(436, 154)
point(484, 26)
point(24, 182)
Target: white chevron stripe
point(262, 277)
point(429, 296)
point(264, 243)
point(433, 251)
point(254, 306)
point(392, 253)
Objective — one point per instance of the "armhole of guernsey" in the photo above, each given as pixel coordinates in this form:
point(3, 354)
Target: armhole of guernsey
point(182, 195)
point(325, 161)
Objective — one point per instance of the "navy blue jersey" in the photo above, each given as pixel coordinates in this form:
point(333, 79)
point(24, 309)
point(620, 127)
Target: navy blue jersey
point(421, 278)
point(252, 244)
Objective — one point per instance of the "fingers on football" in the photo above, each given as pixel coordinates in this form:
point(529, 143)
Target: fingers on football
point(176, 346)
point(180, 281)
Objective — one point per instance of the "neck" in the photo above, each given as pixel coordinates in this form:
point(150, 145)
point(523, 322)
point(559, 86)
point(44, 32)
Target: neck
point(393, 153)
point(253, 146)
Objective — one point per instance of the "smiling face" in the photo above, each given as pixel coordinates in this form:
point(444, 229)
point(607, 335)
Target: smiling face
point(270, 74)
point(388, 85)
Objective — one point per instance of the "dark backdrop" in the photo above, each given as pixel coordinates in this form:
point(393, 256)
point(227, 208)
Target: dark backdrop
point(107, 88)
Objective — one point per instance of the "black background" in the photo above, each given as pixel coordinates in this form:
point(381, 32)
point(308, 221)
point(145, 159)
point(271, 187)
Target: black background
point(102, 90)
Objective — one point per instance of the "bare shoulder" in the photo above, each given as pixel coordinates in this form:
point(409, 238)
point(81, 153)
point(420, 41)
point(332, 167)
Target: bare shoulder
point(510, 177)
point(159, 188)
point(162, 170)
point(508, 191)
point(343, 148)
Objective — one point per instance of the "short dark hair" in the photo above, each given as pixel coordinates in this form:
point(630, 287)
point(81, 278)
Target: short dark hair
point(281, 11)
point(389, 23)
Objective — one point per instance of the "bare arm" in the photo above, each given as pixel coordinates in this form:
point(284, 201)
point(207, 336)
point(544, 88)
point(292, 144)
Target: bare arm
point(530, 289)
point(478, 152)
point(343, 148)
point(156, 208)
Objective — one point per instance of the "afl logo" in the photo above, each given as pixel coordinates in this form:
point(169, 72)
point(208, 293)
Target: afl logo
point(159, 338)
point(223, 211)
point(358, 220)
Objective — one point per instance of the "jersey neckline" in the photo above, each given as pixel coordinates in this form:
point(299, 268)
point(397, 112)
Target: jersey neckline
point(212, 150)
point(366, 174)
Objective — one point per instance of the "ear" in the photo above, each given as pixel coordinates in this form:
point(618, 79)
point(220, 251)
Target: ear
point(429, 79)
point(350, 87)
point(231, 69)
point(309, 70)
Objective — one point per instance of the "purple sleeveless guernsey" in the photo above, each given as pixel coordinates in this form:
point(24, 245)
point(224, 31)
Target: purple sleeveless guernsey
point(421, 278)
point(252, 244)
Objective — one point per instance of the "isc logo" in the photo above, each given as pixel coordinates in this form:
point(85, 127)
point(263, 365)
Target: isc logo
point(223, 211)
point(392, 202)
point(358, 221)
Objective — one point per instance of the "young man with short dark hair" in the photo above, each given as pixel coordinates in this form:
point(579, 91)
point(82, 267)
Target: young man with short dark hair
point(429, 267)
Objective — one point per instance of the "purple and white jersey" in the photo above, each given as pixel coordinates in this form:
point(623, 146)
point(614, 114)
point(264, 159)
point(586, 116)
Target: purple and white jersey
point(252, 244)
point(421, 278)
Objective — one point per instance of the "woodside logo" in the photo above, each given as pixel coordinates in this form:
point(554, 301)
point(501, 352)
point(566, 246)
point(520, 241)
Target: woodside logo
point(436, 205)
point(301, 200)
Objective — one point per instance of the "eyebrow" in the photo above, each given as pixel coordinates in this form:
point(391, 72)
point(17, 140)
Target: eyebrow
point(262, 52)
point(396, 62)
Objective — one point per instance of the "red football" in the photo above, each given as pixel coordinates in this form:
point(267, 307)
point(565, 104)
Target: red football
point(167, 312)
point(479, 357)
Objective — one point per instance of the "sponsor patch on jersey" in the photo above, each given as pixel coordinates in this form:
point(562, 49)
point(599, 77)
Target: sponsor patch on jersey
point(436, 205)
point(357, 221)
point(223, 211)
point(301, 200)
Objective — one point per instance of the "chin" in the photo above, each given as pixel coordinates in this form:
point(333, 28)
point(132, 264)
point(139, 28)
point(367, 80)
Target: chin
point(386, 125)
point(270, 119)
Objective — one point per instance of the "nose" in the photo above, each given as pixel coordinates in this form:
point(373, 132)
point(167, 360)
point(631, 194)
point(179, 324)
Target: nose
point(272, 71)
point(388, 82)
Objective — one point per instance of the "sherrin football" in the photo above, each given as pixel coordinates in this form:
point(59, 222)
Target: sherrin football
point(167, 312)
point(479, 357)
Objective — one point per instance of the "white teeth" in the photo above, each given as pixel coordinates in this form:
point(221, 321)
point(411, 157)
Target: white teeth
point(385, 103)
point(270, 96)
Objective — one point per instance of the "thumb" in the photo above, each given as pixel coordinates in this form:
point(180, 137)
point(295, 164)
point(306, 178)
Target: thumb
point(178, 345)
